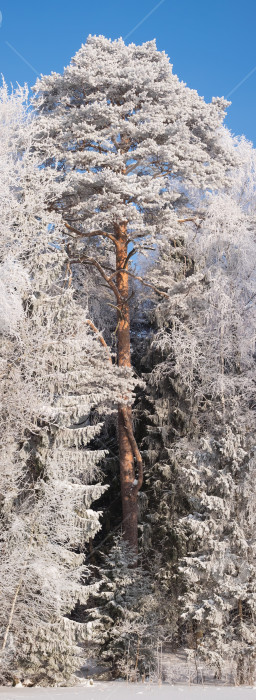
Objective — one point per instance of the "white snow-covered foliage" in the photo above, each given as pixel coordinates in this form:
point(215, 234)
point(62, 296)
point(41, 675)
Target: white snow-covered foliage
point(117, 133)
point(126, 630)
point(14, 282)
point(57, 384)
point(205, 349)
point(119, 140)
point(124, 142)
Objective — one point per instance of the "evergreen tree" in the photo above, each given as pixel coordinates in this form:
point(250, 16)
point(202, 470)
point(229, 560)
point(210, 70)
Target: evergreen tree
point(203, 393)
point(126, 629)
point(57, 385)
point(120, 138)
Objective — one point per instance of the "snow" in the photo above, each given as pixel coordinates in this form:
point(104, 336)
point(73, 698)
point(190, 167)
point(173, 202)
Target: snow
point(117, 690)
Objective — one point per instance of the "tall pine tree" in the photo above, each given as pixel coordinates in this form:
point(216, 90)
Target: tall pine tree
point(120, 138)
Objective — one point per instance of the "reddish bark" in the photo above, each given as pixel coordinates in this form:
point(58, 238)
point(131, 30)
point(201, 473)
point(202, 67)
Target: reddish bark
point(126, 448)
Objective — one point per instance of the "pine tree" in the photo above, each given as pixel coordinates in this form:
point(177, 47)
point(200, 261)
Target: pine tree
point(120, 138)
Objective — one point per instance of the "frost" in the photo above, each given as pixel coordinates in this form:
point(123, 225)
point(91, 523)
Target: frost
point(54, 371)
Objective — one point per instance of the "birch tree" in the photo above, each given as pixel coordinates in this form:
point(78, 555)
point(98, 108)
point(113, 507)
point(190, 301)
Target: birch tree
point(117, 134)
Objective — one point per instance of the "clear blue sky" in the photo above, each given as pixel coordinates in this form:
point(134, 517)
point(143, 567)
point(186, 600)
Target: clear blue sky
point(211, 43)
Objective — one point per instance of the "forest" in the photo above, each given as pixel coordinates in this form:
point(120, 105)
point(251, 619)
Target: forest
point(128, 389)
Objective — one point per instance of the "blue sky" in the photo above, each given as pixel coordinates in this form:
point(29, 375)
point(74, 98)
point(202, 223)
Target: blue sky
point(210, 44)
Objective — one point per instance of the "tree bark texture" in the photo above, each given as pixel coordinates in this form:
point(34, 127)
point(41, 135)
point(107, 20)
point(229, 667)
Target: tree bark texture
point(126, 450)
point(131, 481)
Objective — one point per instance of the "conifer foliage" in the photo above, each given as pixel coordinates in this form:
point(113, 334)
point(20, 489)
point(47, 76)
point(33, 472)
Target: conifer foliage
point(57, 386)
point(126, 629)
point(203, 384)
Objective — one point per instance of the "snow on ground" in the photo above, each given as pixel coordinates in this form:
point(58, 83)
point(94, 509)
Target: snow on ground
point(123, 691)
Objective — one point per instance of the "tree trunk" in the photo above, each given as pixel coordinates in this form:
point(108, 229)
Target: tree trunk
point(126, 455)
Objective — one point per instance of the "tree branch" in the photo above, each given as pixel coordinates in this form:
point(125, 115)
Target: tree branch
point(195, 221)
point(162, 173)
point(140, 279)
point(131, 167)
point(104, 234)
point(91, 261)
point(101, 339)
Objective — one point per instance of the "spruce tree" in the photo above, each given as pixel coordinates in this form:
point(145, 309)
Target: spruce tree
point(57, 386)
point(202, 393)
